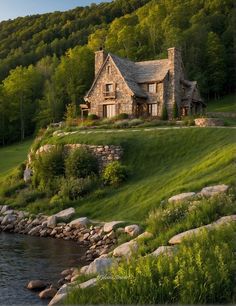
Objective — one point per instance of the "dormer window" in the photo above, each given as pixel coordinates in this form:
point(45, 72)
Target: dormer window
point(109, 87)
point(152, 88)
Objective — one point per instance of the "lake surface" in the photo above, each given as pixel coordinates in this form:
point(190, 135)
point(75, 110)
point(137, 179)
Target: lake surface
point(24, 258)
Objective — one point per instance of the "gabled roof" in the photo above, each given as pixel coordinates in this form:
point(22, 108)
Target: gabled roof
point(135, 73)
point(151, 71)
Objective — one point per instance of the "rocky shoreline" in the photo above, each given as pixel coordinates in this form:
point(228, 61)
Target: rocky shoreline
point(99, 238)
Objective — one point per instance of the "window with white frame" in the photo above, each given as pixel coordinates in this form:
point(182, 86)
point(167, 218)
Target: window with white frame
point(152, 87)
point(153, 109)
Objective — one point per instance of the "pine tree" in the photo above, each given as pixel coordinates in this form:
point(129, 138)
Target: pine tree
point(164, 113)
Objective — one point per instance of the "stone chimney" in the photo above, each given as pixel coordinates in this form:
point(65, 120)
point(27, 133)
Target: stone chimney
point(176, 73)
point(100, 57)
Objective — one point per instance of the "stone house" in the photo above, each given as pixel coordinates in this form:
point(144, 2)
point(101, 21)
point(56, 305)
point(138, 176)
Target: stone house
point(141, 88)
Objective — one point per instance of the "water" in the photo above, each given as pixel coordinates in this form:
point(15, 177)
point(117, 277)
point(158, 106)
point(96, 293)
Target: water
point(24, 258)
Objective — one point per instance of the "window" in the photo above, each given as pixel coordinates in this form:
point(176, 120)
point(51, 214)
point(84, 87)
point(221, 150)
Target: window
point(109, 87)
point(153, 109)
point(152, 88)
point(109, 111)
point(109, 69)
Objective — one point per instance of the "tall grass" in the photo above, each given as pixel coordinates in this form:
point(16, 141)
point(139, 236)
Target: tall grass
point(201, 271)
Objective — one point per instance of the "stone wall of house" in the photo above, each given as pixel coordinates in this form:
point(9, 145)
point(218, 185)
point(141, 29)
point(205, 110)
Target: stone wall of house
point(105, 154)
point(123, 101)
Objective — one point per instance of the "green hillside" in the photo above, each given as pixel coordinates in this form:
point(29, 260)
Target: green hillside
point(162, 163)
point(11, 156)
point(225, 105)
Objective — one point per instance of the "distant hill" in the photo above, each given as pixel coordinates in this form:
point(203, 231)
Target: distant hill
point(25, 40)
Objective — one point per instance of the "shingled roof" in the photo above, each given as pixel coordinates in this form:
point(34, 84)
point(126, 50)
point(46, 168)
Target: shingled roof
point(135, 73)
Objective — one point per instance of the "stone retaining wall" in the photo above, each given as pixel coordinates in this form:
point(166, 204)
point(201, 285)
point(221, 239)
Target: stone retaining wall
point(208, 122)
point(105, 154)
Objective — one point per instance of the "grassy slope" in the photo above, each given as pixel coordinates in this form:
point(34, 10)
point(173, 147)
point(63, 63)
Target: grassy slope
point(12, 155)
point(226, 104)
point(163, 162)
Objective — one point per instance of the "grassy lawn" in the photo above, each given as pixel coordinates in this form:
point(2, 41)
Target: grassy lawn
point(162, 163)
point(12, 155)
point(226, 104)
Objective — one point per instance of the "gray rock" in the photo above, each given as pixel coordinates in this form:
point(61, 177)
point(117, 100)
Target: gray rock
point(168, 250)
point(126, 249)
point(214, 190)
point(52, 221)
point(80, 222)
point(4, 208)
point(48, 293)
point(108, 227)
point(181, 197)
point(8, 219)
point(36, 284)
point(8, 212)
point(145, 235)
point(35, 230)
point(179, 237)
point(90, 283)
point(58, 299)
point(100, 266)
point(27, 174)
point(65, 215)
point(132, 230)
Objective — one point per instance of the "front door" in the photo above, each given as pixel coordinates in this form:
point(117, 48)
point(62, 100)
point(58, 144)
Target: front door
point(109, 111)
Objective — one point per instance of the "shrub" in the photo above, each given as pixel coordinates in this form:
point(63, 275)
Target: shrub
point(175, 111)
point(121, 124)
point(92, 117)
point(47, 166)
point(164, 115)
point(189, 121)
point(28, 196)
point(122, 116)
point(81, 163)
point(73, 188)
point(135, 122)
point(114, 174)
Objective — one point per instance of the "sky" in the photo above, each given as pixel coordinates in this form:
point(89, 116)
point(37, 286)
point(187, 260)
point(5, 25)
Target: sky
point(10, 9)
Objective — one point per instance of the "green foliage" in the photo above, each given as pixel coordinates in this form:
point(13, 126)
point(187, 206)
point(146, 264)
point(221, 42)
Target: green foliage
point(27, 196)
point(47, 167)
point(189, 121)
point(175, 111)
point(114, 174)
point(135, 122)
point(73, 188)
point(81, 163)
point(201, 271)
point(121, 124)
point(70, 114)
point(122, 116)
point(8, 190)
point(164, 115)
point(92, 117)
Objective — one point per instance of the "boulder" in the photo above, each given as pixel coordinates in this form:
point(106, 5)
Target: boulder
point(35, 230)
point(48, 293)
point(100, 266)
point(181, 197)
point(36, 285)
point(80, 222)
point(90, 283)
point(27, 174)
point(58, 299)
point(168, 250)
point(8, 219)
point(52, 221)
point(179, 237)
point(126, 249)
point(65, 215)
point(108, 227)
point(132, 230)
point(8, 212)
point(145, 235)
point(4, 208)
point(214, 190)
point(84, 269)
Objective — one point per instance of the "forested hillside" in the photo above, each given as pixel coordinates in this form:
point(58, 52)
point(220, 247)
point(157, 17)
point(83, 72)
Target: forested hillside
point(46, 61)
